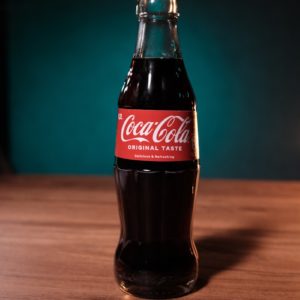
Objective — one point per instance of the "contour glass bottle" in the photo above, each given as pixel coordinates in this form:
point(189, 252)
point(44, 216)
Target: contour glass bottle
point(156, 162)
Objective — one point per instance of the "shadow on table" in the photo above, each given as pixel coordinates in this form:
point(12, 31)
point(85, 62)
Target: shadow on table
point(222, 251)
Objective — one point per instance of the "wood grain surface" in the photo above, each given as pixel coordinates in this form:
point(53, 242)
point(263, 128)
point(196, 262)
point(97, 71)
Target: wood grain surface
point(58, 236)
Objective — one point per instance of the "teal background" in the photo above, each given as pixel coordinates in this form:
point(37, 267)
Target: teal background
point(67, 61)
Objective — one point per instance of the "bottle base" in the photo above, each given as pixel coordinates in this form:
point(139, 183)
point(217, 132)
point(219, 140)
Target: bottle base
point(177, 292)
point(150, 286)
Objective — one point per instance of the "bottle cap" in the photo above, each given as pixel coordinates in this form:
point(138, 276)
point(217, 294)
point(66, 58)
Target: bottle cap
point(145, 8)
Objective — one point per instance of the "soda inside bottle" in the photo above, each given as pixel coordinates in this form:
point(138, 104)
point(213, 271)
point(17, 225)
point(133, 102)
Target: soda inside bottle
point(157, 162)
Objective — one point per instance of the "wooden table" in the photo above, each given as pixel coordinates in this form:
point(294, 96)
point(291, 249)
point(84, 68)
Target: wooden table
point(58, 236)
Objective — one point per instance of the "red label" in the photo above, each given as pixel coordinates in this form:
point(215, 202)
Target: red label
point(157, 135)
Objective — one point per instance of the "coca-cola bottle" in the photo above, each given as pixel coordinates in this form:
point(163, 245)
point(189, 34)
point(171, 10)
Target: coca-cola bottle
point(157, 162)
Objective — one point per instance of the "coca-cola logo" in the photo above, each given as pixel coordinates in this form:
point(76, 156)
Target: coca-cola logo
point(171, 129)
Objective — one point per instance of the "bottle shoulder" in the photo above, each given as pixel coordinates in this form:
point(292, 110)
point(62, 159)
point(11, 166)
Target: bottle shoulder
point(155, 83)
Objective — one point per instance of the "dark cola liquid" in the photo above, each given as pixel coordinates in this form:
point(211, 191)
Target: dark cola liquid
point(156, 257)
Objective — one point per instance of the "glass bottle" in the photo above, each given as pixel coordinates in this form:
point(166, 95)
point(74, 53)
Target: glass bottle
point(157, 162)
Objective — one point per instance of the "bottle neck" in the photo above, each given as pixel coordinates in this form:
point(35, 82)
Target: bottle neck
point(158, 38)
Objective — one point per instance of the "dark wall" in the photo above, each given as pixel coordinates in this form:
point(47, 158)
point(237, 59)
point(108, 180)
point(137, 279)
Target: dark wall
point(4, 141)
point(67, 61)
